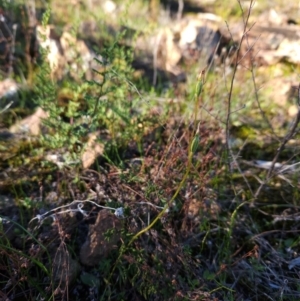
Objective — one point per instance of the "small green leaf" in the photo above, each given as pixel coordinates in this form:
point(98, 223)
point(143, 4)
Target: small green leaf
point(199, 88)
point(207, 275)
point(195, 143)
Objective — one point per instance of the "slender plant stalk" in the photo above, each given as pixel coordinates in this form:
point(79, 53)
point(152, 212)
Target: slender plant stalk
point(192, 147)
point(237, 62)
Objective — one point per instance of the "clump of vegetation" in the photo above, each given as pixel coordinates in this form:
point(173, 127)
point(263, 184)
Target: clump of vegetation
point(170, 207)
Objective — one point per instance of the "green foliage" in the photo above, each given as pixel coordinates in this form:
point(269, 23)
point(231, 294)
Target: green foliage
point(169, 253)
point(107, 102)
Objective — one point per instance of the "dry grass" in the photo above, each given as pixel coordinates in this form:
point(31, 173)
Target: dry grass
point(201, 221)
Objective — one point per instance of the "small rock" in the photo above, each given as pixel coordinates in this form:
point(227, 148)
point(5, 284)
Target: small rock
point(31, 124)
point(102, 238)
point(48, 40)
point(92, 151)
